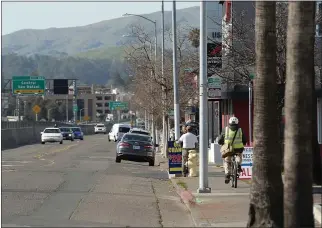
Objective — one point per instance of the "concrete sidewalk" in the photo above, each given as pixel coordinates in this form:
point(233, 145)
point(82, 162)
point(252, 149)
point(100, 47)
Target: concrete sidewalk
point(224, 206)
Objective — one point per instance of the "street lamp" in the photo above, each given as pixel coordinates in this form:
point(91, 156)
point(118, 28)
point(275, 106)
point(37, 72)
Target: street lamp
point(48, 112)
point(155, 55)
point(80, 113)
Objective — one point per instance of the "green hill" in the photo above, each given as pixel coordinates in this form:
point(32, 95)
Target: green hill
point(86, 40)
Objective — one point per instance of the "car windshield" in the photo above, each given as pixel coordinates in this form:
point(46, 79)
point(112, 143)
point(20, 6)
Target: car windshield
point(100, 125)
point(76, 129)
point(51, 131)
point(140, 132)
point(124, 129)
point(64, 129)
point(141, 138)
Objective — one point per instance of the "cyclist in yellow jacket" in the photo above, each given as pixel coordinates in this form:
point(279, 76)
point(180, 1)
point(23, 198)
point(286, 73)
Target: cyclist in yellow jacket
point(238, 144)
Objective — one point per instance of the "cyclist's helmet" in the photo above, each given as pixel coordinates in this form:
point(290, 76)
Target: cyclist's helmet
point(233, 120)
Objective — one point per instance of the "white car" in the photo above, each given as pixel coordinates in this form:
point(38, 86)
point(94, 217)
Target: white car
point(117, 131)
point(139, 131)
point(100, 128)
point(51, 135)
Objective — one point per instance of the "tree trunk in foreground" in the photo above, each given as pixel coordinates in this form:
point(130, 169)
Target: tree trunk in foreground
point(298, 200)
point(266, 194)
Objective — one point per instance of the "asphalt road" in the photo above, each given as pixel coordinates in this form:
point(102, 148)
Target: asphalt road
point(79, 184)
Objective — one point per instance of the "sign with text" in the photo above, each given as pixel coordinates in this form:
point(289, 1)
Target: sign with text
point(214, 87)
point(28, 85)
point(117, 105)
point(174, 157)
point(214, 56)
point(247, 164)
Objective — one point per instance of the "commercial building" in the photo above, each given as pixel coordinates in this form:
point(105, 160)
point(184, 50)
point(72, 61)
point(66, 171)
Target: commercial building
point(235, 96)
point(91, 102)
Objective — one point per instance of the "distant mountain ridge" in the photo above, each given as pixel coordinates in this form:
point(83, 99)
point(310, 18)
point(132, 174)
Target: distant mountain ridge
point(61, 42)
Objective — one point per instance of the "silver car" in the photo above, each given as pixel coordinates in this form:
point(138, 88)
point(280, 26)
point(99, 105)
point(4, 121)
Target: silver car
point(135, 147)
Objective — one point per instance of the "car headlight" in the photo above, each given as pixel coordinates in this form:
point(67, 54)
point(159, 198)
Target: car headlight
point(70, 135)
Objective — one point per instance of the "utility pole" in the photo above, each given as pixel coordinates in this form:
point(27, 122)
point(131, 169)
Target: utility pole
point(203, 161)
point(67, 108)
point(74, 101)
point(175, 74)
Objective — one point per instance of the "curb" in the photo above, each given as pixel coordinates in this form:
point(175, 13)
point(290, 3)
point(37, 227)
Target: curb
point(180, 191)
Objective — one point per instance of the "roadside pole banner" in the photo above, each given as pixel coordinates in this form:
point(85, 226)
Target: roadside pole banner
point(174, 157)
point(247, 164)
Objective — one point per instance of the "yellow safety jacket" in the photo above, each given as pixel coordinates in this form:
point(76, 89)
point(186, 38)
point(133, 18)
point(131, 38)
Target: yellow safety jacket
point(238, 142)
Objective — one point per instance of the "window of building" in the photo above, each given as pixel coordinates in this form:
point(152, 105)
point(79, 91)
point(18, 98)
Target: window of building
point(107, 111)
point(99, 98)
point(107, 98)
point(107, 104)
point(99, 105)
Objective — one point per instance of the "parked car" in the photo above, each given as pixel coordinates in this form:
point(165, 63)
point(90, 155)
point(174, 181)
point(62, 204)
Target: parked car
point(67, 133)
point(117, 131)
point(100, 128)
point(78, 133)
point(135, 147)
point(51, 135)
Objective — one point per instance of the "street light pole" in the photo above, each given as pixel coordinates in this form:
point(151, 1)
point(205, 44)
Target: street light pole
point(155, 61)
point(48, 112)
point(203, 161)
point(175, 74)
point(164, 94)
point(80, 113)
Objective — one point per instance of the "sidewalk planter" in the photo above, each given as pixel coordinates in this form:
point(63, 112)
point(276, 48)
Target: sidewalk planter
point(193, 163)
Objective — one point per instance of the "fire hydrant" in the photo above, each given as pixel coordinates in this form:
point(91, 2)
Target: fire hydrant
point(193, 163)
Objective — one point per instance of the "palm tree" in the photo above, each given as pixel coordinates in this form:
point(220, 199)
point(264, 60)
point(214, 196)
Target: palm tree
point(266, 194)
point(298, 198)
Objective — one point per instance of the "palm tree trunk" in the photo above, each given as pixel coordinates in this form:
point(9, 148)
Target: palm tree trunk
point(266, 195)
point(298, 198)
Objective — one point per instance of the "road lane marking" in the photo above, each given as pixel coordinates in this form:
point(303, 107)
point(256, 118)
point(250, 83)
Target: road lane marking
point(10, 165)
point(24, 162)
point(39, 156)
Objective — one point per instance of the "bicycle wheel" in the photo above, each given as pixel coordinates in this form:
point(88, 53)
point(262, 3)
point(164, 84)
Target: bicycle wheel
point(235, 171)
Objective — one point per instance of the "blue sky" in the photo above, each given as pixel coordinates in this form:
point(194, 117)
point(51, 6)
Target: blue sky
point(41, 15)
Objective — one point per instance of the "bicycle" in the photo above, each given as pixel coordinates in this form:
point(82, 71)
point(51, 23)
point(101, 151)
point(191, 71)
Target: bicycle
point(234, 175)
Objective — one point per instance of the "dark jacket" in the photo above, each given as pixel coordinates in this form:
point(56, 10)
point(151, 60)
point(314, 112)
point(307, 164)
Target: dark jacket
point(221, 139)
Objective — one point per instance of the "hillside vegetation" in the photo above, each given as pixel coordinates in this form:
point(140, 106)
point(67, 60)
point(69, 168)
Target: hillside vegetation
point(88, 71)
point(61, 42)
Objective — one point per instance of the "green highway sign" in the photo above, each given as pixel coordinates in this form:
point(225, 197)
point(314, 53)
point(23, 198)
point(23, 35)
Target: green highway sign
point(118, 105)
point(75, 108)
point(28, 85)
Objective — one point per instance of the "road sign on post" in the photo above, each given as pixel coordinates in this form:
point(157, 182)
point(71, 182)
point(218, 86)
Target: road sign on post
point(75, 108)
point(28, 85)
point(117, 105)
point(36, 109)
point(214, 87)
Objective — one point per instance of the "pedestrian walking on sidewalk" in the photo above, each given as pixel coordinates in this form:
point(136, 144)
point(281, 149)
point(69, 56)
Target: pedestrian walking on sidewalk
point(190, 142)
point(233, 135)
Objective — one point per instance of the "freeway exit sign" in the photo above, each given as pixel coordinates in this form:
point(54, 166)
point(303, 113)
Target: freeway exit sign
point(28, 85)
point(117, 105)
